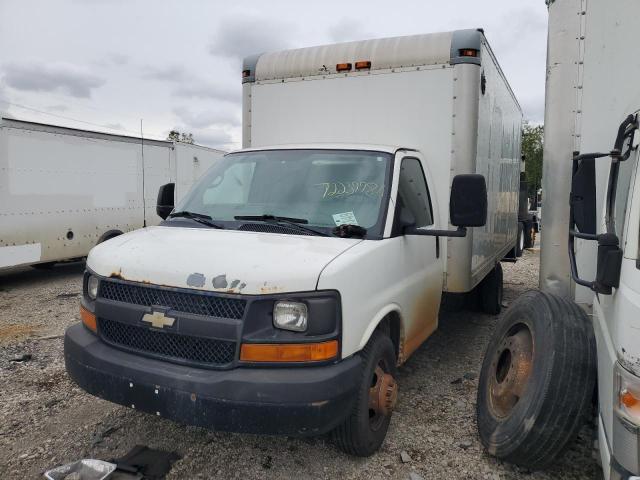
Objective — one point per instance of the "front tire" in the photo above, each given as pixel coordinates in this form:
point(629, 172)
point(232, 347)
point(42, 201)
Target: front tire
point(366, 427)
point(537, 380)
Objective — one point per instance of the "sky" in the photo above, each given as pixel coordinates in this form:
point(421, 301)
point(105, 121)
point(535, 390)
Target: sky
point(108, 64)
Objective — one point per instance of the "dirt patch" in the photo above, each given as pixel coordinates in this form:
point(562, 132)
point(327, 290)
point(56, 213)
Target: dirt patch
point(15, 331)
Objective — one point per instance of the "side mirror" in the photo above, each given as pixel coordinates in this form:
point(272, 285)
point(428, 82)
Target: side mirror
point(165, 200)
point(609, 264)
point(468, 202)
point(583, 196)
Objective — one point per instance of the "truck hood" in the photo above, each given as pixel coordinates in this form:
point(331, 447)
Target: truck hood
point(218, 260)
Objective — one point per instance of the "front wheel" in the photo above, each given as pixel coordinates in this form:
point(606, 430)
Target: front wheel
point(366, 427)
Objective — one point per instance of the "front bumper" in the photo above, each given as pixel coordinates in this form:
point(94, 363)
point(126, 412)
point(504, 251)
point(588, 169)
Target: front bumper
point(293, 401)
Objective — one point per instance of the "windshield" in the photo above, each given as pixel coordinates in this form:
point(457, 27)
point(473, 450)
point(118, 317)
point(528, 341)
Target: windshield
point(327, 188)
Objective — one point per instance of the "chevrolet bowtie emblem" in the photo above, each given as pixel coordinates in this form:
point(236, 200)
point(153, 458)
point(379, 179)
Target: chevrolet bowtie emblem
point(158, 319)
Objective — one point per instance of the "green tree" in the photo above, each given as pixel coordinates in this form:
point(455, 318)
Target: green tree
point(532, 142)
point(176, 136)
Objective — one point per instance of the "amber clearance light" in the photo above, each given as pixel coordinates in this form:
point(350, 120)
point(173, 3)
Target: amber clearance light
point(363, 65)
point(89, 319)
point(468, 52)
point(289, 352)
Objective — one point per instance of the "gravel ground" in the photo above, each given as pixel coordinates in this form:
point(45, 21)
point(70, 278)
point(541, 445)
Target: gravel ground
point(46, 421)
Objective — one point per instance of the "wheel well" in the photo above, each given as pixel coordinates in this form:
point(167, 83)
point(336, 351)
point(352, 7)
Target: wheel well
point(390, 326)
point(108, 235)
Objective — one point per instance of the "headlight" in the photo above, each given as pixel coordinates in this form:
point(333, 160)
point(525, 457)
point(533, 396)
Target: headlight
point(92, 287)
point(290, 316)
point(628, 395)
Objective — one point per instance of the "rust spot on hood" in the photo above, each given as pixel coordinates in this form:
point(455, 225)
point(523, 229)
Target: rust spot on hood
point(117, 274)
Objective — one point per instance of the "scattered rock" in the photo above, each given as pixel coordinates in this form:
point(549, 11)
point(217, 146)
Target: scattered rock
point(25, 357)
point(465, 444)
point(67, 295)
point(405, 457)
point(415, 476)
point(470, 375)
point(456, 381)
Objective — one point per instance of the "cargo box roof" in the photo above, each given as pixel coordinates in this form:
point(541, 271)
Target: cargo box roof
point(383, 53)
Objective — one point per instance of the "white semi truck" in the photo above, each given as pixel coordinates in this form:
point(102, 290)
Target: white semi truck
point(577, 340)
point(282, 293)
point(64, 190)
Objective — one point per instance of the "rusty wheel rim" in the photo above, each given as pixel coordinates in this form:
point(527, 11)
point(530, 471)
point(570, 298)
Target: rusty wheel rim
point(510, 370)
point(383, 395)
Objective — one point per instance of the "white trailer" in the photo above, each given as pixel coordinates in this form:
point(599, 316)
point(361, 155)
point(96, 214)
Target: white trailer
point(532, 401)
point(299, 272)
point(63, 190)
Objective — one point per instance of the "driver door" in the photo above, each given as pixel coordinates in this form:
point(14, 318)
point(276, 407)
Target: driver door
point(422, 256)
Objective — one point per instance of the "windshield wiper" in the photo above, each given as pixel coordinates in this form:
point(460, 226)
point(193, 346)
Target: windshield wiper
point(294, 222)
point(197, 217)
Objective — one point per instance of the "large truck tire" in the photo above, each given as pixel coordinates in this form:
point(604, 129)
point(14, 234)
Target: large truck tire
point(537, 380)
point(491, 290)
point(520, 242)
point(366, 427)
point(529, 235)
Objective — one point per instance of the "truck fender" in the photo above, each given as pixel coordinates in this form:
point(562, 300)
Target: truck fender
point(375, 322)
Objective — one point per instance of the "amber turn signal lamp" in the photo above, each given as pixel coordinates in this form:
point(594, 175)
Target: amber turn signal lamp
point(89, 319)
point(289, 352)
point(343, 67)
point(628, 399)
point(468, 52)
point(363, 65)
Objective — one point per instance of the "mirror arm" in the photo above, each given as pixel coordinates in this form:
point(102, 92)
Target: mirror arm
point(583, 236)
point(574, 266)
point(460, 232)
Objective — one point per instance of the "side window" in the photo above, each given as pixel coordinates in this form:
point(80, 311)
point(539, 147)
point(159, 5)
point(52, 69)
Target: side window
point(413, 193)
point(622, 193)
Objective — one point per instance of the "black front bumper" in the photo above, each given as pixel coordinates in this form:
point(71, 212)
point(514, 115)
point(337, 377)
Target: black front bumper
point(292, 401)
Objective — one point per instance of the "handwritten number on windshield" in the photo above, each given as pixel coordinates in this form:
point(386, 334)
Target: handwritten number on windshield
point(340, 189)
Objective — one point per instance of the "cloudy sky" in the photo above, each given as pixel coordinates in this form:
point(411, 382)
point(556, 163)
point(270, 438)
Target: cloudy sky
point(106, 64)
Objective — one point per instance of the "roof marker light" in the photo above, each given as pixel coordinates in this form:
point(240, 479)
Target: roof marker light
point(343, 67)
point(363, 65)
point(468, 52)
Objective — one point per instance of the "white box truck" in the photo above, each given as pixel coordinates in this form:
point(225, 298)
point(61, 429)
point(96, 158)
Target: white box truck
point(577, 340)
point(63, 190)
point(282, 293)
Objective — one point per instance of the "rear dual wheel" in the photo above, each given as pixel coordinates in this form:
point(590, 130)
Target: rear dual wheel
point(520, 241)
point(364, 430)
point(491, 291)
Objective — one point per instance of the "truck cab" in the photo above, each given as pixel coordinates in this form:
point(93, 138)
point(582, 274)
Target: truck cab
point(278, 296)
point(617, 321)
